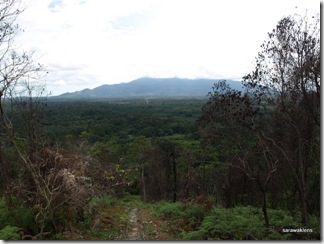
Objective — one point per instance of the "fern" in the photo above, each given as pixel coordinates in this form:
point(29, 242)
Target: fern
point(4, 214)
point(9, 233)
point(168, 210)
point(194, 235)
point(191, 222)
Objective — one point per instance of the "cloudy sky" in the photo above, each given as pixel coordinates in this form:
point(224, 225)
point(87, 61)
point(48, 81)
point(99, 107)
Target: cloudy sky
point(87, 43)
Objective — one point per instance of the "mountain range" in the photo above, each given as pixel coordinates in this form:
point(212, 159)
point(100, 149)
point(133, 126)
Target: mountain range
point(144, 87)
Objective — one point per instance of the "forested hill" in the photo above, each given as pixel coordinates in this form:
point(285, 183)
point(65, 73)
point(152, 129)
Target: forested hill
point(152, 87)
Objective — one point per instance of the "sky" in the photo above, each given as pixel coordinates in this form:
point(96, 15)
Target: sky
point(88, 43)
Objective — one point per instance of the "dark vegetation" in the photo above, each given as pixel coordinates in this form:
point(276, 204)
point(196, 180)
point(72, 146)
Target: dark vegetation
point(155, 150)
point(122, 119)
point(232, 165)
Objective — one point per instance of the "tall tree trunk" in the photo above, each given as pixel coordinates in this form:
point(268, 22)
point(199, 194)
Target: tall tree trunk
point(302, 186)
point(143, 181)
point(264, 208)
point(174, 165)
point(304, 207)
point(264, 200)
point(305, 219)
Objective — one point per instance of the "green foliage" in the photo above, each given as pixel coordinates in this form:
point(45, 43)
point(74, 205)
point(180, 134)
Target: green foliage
point(17, 216)
point(315, 225)
point(190, 221)
point(106, 201)
point(106, 119)
point(280, 219)
point(9, 233)
point(4, 214)
point(24, 218)
point(232, 224)
point(168, 210)
point(129, 139)
point(85, 135)
point(183, 216)
point(57, 237)
point(130, 200)
point(273, 234)
point(105, 218)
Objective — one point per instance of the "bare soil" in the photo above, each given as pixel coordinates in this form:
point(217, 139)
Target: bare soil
point(143, 226)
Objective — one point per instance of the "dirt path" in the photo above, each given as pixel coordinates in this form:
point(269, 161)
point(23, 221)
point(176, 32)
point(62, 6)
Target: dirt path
point(134, 230)
point(142, 226)
point(124, 222)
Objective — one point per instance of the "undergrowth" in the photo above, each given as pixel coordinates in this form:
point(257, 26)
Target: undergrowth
point(189, 221)
point(106, 218)
point(9, 233)
point(15, 217)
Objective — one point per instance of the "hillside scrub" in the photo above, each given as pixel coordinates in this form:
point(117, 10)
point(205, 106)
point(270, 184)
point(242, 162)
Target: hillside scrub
point(187, 221)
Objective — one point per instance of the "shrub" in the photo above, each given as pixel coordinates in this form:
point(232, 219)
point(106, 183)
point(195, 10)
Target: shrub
point(228, 224)
point(4, 214)
point(281, 219)
point(168, 210)
point(17, 216)
point(24, 218)
point(242, 223)
point(9, 233)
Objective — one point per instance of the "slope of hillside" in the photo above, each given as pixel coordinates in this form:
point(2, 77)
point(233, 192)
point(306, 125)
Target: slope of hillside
point(152, 87)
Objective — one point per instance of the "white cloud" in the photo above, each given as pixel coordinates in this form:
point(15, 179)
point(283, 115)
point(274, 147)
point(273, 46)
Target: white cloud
point(86, 43)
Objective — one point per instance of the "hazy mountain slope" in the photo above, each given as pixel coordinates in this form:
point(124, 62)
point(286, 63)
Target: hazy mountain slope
point(152, 87)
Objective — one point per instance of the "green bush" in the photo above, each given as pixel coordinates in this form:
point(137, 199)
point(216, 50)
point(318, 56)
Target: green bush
point(4, 214)
point(245, 223)
point(168, 210)
point(106, 201)
point(17, 216)
point(315, 225)
point(228, 224)
point(9, 233)
point(200, 234)
point(24, 218)
point(172, 211)
point(282, 219)
point(190, 222)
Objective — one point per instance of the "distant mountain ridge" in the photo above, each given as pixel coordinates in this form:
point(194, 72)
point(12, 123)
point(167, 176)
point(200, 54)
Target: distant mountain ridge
point(152, 87)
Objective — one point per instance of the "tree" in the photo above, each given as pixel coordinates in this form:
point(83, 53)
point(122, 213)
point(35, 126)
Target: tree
point(287, 75)
point(47, 181)
point(136, 155)
point(276, 121)
point(235, 124)
point(14, 67)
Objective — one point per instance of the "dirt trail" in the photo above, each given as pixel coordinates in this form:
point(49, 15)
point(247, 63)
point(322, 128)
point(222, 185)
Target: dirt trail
point(134, 225)
point(142, 226)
